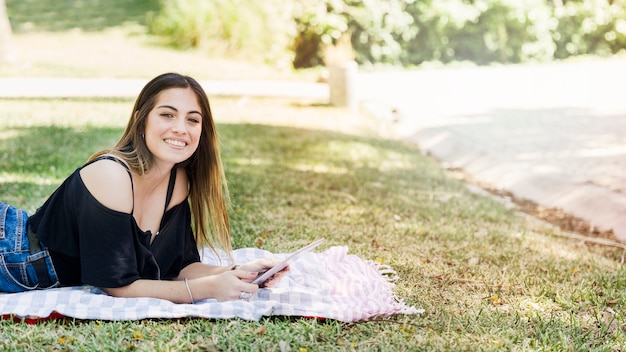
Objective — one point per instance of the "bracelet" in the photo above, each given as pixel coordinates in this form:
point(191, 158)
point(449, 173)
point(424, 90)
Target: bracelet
point(189, 291)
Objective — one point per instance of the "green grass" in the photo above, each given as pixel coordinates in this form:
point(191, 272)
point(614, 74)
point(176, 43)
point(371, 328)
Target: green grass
point(87, 15)
point(488, 278)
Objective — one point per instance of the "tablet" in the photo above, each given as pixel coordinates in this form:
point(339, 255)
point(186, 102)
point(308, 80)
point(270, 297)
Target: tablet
point(280, 266)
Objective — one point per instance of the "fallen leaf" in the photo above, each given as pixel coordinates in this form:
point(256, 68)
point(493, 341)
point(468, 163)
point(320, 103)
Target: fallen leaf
point(259, 242)
point(261, 330)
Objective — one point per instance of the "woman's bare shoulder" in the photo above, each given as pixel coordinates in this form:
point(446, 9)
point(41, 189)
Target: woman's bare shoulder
point(109, 182)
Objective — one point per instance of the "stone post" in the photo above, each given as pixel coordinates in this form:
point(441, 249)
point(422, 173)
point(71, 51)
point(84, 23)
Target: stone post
point(7, 51)
point(342, 78)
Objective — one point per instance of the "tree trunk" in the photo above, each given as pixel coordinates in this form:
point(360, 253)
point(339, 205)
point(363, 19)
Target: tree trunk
point(7, 51)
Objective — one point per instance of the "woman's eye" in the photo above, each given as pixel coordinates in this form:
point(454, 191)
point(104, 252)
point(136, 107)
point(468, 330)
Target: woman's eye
point(193, 120)
point(168, 115)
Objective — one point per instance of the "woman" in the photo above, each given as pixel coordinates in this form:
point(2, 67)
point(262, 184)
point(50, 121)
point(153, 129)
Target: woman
point(131, 220)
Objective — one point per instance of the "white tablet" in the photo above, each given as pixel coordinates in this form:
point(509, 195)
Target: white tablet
point(280, 266)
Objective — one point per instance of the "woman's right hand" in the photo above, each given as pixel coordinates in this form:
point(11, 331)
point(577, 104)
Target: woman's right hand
point(226, 286)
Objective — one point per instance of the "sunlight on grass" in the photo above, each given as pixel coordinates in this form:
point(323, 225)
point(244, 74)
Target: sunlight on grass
point(8, 134)
point(357, 151)
point(249, 162)
point(369, 155)
point(66, 112)
point(575, 253)
point(28, 178)
point(321, 168)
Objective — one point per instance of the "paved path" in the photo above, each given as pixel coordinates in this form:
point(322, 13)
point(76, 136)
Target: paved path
point(129, 88)
point(554, 134)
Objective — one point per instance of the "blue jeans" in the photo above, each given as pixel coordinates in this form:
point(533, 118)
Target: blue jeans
point(24, 264)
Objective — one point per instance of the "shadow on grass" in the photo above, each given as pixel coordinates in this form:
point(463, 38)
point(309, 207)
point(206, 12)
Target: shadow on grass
point(290, 183)
point(281, 179)
point(35, 160)
point(87, 15)
point(287, 184)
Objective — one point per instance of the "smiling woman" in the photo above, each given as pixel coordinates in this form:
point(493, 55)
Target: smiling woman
point(131, 220)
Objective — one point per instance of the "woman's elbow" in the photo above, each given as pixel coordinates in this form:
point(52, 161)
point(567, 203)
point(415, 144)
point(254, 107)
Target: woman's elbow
point(116, 291)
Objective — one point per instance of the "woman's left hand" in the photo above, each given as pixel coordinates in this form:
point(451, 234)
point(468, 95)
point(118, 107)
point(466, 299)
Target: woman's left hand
point(259, 265)
point(262, 265)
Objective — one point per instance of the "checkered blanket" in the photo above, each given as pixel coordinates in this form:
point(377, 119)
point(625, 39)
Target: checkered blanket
point(331, 284)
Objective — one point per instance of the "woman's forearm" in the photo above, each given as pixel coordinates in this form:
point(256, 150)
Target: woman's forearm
point(202, 282)
point(174, 291)
point(197, 270)
point(198, 281)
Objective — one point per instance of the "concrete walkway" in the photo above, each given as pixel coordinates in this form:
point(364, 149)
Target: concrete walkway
point(129, 88)
point(554, 134)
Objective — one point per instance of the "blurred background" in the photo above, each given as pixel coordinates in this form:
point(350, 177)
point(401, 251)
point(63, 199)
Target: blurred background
point(288, 35)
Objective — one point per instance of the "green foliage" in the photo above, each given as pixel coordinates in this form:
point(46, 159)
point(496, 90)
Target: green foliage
point(259, 30)
point(298, 32)
point(376, 29)
point(596, 27)
point(186, 23)
point(480, 31)
point(318, 23)
point(379, 29)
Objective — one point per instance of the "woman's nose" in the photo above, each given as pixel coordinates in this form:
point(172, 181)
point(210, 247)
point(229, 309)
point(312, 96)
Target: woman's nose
point(179, 125)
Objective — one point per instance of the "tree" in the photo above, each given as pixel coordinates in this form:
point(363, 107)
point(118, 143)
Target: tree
point(7, 51)
point(375, 29)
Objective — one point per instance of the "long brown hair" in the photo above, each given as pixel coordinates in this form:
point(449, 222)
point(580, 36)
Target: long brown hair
point(208, 191)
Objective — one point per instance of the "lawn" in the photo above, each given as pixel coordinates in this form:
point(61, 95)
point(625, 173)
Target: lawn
point(488, 277)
